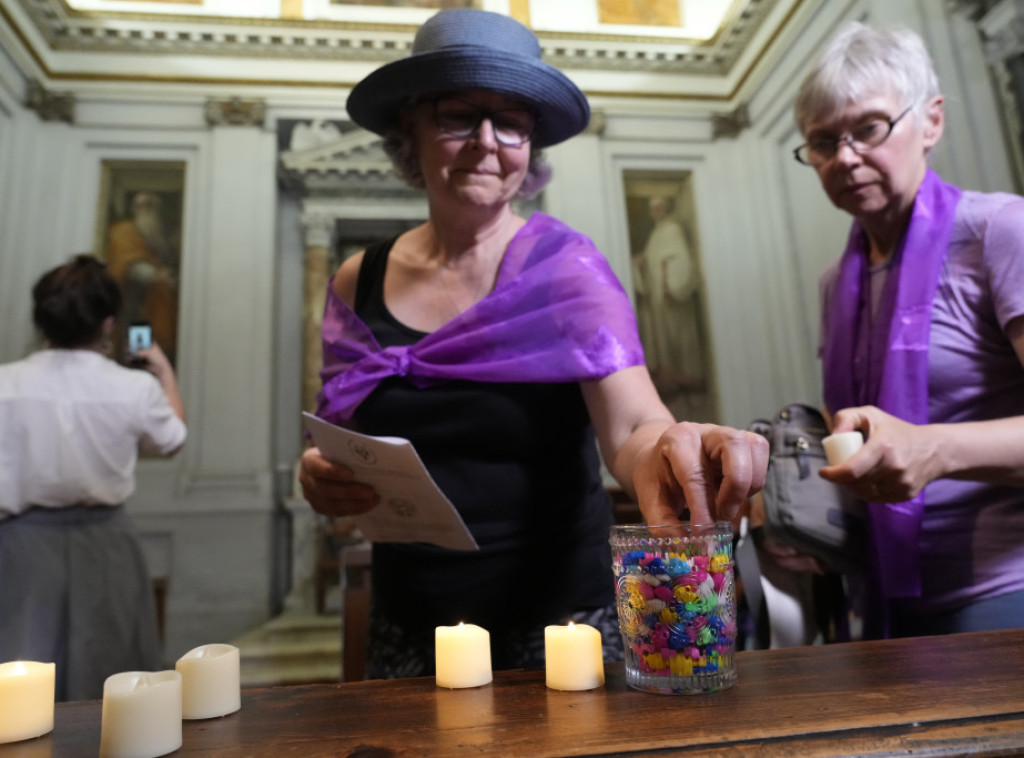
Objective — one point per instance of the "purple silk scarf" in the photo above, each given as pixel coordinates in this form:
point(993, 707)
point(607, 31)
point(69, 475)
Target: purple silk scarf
point(557, 314)
point(895, 375)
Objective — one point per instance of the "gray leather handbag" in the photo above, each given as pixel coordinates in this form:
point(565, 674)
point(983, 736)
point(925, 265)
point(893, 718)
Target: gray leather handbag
point(802, 509)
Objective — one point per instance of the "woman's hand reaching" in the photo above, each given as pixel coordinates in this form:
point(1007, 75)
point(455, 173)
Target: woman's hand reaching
point(708, 469)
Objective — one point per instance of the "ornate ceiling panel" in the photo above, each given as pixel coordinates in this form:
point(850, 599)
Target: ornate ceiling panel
point(96, 31)
point(77, 45)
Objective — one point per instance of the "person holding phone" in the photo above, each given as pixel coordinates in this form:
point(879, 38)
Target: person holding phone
point(74, 588)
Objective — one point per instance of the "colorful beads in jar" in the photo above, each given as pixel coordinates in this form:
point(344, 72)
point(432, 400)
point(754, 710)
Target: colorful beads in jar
point(676, 598)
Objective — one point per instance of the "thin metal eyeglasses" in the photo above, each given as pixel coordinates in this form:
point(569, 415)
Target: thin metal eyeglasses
point(459, 118)
point(862, 138)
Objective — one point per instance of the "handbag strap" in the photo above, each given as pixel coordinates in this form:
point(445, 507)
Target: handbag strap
point(749, 568)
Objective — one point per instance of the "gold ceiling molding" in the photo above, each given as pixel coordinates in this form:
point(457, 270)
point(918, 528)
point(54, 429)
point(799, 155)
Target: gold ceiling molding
point(69, 30)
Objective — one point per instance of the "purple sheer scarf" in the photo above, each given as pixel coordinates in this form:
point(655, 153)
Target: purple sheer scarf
point(895, 376)
point(557, 314)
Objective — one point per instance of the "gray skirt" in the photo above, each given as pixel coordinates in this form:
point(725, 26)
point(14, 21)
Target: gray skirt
point(75, 591)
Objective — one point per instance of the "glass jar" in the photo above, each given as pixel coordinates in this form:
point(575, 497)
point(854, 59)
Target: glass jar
point(676, 598)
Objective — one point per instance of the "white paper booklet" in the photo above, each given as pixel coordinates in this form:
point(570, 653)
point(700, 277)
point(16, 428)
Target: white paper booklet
point(411, 507)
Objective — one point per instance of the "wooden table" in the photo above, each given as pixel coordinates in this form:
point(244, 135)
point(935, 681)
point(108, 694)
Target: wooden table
point(953, 695)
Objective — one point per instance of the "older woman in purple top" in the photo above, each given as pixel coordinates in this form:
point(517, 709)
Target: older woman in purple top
point(922, 343)
point(501, 347)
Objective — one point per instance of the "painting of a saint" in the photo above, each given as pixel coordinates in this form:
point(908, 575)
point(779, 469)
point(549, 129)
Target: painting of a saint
point(668, 289)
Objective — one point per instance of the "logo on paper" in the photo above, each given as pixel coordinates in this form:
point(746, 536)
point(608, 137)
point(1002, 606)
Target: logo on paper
point(362, 451)
point(401, 507)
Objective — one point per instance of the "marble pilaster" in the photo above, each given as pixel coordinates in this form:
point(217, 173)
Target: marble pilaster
point(318, 234)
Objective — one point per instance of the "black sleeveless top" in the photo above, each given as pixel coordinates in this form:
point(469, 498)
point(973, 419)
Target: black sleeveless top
point(520, 463)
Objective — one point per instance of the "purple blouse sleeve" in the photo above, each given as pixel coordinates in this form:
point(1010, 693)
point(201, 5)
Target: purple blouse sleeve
point(1003, 251)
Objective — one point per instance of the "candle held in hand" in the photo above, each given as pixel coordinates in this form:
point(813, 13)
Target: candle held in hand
point(573, 657)
point(842, 446)
point(26, 699)
point(463, 656)
point(210, 684)
point(141, 715)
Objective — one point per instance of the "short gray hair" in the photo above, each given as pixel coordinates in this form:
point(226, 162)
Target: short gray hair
point(860, 61)
point(399, 145)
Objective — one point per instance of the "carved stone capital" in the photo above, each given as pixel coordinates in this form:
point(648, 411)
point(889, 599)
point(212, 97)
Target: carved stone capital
point(971, 8)
point(598, 123)
point(235, 112)
point(50, 106)
point(730, 124)
point(1002, 29)
point(317, 229)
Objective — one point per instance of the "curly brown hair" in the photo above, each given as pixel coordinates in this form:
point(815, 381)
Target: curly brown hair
point(71, 302)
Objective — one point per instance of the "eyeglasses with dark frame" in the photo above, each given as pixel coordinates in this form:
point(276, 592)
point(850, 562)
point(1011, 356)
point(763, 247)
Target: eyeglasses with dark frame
point(864, 137)
point(460, 118)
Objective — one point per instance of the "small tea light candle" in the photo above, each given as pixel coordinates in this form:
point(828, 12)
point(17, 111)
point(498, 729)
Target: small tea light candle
point(840, 447)
point(209, 681)
point(573, 657)
point(463, 656)
point(141, 714)
point(26, 699)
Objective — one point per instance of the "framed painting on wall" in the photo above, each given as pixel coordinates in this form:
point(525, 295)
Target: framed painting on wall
point(668, 289)
point(138, 235)
point(435, 4)
point(659, 21)
point(640, 12)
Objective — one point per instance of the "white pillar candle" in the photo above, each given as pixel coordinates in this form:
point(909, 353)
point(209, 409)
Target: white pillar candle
point(840, 447)
point(210, 684)
point(26, 699)
point(141, 715)
point(573, 658)
point(463, 656)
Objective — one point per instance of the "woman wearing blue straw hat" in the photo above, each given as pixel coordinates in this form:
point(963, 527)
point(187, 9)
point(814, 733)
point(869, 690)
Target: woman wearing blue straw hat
point(500, 347)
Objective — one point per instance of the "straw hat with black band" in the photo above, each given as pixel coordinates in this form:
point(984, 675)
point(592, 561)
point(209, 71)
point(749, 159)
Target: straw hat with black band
point(461, 49)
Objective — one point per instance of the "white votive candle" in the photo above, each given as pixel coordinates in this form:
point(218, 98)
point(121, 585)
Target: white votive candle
point(463, 656)
point(842, 446)
point(141, 714)
point(210, 684)
point(26, 699)
point(573, 658)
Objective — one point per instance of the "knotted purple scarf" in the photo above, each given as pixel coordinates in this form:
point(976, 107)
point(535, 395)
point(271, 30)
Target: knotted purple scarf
point(896, 377)
point(557, 314)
